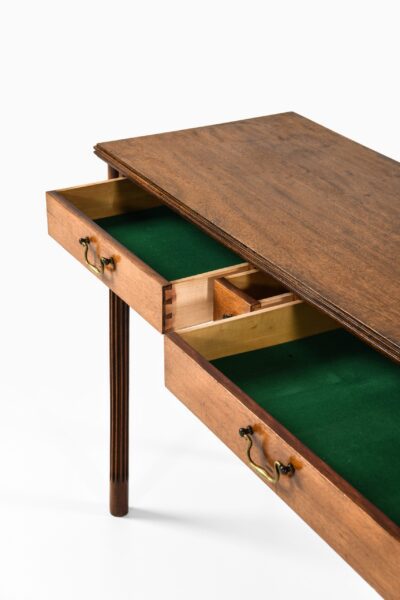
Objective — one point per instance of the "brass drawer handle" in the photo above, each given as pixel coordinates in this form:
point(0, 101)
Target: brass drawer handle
point(279, 468)
point(85, 242)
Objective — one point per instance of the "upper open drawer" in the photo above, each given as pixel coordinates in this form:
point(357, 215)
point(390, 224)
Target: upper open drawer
point(157, 262)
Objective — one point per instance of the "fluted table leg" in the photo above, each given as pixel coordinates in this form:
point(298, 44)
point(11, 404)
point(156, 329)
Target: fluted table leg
point(119, 405)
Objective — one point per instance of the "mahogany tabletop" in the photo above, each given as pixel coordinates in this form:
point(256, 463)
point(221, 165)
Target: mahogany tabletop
point(316, 210)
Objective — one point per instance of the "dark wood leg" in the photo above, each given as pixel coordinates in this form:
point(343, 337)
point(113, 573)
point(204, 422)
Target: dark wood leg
point(119, 405)
point(112, 173)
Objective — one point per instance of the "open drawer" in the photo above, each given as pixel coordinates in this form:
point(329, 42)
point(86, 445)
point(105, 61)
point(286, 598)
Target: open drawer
point(314, 412)
point(157, 262)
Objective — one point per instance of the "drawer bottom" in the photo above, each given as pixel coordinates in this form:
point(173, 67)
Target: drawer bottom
point(338, 397)
point(170, 245)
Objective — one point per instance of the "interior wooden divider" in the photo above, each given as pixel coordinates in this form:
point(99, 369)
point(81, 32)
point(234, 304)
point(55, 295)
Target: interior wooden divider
point(246, 292)
point(190, 300)
point(230, 301)
point(279, 299)
point(256, 284)
point(265, 327)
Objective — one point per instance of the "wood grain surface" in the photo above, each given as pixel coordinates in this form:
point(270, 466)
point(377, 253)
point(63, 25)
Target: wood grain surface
point(316, 210)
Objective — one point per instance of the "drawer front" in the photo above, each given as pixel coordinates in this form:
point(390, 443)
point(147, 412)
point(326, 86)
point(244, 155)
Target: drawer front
point(130, 278)
point(352, 526)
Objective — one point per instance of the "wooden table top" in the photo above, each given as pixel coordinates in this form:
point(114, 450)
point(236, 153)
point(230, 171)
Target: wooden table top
point(316, 210)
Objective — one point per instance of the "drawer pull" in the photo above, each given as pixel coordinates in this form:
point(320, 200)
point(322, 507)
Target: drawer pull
point(85, 242)
point(279, 468)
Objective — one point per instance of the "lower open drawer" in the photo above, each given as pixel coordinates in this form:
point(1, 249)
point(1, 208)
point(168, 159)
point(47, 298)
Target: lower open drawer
point(319, 401)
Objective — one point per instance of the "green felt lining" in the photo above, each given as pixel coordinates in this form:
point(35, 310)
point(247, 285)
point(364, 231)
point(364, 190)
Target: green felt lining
point(340, 398)
point(170, 245)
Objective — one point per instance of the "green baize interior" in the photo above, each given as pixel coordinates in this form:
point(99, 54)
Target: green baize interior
point(338, 397)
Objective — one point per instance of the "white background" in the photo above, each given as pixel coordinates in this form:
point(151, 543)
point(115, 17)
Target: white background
point(76, 73)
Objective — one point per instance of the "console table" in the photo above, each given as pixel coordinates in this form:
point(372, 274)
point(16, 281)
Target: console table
point(268, 252)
